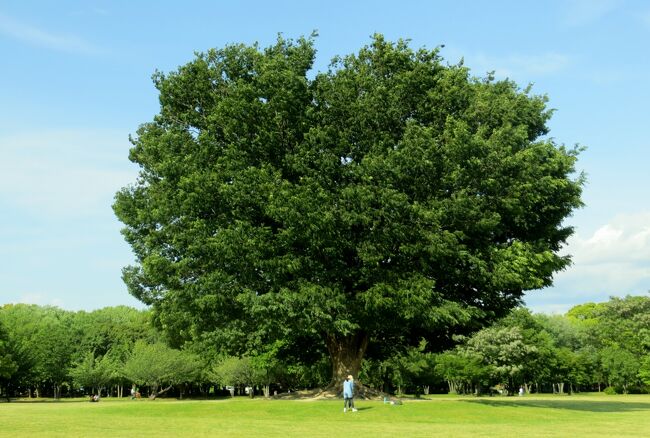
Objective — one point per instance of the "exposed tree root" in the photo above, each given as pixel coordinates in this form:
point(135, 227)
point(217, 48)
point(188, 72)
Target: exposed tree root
point(336, 391)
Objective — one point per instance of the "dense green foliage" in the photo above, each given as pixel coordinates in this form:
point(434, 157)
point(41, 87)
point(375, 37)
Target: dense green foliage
point(594, 345)
point(56, 349)
point(592, 348)
point(390, 199)
point(8, 365)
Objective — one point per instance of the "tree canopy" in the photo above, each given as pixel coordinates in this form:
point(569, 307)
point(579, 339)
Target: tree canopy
point(390, 199)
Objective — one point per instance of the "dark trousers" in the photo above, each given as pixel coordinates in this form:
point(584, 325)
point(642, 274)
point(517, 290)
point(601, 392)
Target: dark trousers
point(348, 402)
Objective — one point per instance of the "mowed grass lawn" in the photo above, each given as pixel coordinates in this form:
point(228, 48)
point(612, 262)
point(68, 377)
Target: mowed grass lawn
point(441, 416)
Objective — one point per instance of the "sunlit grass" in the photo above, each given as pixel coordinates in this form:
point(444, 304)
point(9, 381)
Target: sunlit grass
point(547, 416)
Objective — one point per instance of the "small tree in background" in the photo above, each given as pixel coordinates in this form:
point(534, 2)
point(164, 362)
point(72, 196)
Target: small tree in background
point(93, 373)
point(620, 366)
point(236, 372)
point(505, 350)
point(160, 367)
point(463, 370)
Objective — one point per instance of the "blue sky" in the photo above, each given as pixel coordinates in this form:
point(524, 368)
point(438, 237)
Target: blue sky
point(75, 81)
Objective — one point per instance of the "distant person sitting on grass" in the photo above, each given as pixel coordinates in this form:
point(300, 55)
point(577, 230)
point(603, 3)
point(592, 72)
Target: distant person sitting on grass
point(348, 394)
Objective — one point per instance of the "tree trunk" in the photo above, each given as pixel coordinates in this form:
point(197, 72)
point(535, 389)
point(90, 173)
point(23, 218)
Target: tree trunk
point(155, 393)
point(346, 354)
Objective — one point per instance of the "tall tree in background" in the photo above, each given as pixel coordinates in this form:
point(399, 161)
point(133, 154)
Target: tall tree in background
point(8, 365)
point(389, 199)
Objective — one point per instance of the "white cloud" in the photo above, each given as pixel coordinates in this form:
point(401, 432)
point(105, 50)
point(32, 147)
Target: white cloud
point(41, 38)
point(63, 173)
point(613, 261)
point(625, 240)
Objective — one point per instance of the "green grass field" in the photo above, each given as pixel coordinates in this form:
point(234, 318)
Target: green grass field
point(440, 416)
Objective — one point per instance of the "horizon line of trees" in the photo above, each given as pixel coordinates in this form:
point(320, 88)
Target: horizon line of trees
point(47, 351)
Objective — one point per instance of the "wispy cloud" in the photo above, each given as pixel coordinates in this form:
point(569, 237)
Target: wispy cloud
point(521, 66)
point(613, 261)
point(41, 38)
point(583, 12)
point(514, 66)
point(39, 299)
point(645, 18)
point(63, 173)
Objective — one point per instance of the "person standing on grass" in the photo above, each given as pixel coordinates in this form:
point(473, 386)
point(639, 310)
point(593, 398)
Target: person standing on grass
point(348, 394)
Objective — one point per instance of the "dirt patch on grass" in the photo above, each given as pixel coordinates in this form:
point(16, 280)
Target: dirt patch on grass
point(362, 392)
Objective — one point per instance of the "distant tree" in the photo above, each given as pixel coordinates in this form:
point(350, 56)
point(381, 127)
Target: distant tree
point(8, 365)
point(504, 349)
point(17, 343)
point(620, 366)
point(644, 370)
point(93, 373)
point(413, 368)
point(463, 370)
point(44, 341)
point(111, 332)
point(160, 367)
point(267, 366)
point(392, 198)
point(619, 322)
point(237, 372)
point(564, 331)
point(113, 328)
point(56, 343)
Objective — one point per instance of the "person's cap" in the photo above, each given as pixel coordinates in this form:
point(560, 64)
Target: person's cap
point(350, 376)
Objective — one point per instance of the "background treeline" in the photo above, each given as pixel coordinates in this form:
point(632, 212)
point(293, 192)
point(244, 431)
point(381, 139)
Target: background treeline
point(47, 351)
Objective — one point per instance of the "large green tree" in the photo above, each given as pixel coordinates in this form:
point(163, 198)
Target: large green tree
point(391, 198)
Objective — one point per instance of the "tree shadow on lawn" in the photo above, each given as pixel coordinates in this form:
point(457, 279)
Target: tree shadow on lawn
point(42, 400)
point(575, 405)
